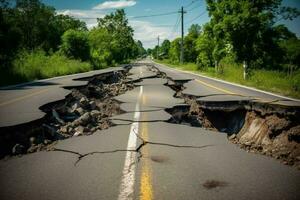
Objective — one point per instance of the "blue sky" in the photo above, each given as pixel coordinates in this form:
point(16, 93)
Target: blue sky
point(147, 29)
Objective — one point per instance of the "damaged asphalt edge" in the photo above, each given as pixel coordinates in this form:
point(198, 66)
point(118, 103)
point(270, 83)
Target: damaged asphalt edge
point(258, 127)
point(16, 133)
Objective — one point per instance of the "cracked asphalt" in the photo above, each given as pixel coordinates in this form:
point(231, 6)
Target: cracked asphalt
point(143, 156)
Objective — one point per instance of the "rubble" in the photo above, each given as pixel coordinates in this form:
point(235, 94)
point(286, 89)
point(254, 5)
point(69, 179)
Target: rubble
point(83, 112)
point(256, 127)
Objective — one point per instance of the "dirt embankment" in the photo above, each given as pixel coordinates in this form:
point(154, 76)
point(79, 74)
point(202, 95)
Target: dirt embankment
point(262, 128)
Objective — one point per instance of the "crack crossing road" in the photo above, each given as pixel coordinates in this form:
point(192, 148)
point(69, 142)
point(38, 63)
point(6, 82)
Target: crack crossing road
point(157, 147)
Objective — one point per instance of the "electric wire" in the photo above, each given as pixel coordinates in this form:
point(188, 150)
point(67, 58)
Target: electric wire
point(191, 3)
point(135, 17)
point(175, 26)
point(198, 16)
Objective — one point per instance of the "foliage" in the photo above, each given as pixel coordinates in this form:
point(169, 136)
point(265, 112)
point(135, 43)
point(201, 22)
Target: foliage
point(31, 31)
point(122, 41)
point(139, 49)
point(30, 24)
point(37, 65)
point(174, 52)
point(75, 45)
point(101, 50)
point(112, 41)
point(249, 27)
point(205, 47)
point(273, 81)
point(292, 53)
point(164, 49)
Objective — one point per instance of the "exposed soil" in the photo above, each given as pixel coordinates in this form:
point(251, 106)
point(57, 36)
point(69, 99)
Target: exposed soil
point(256, 127)
point(83, 112)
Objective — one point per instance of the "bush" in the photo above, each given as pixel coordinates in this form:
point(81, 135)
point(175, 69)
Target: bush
point(75, 45)
point(37, 65)
point(101, 48)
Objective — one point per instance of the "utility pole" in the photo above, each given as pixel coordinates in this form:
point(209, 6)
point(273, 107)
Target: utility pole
point(182, 35)
point(157, 51)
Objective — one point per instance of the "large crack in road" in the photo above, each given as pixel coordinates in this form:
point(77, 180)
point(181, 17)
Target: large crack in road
point(266, 128)
point(86, 110)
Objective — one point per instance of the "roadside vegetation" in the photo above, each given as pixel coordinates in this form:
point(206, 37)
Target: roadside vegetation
point(268, 80)
point(241, 33)
point(38, 43)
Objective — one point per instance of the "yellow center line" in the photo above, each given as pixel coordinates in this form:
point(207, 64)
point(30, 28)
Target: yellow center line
point(217, 88)
point(229, 92)
point(146, 190)
point(22, 97)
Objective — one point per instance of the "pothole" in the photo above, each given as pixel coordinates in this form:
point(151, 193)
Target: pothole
point(83, 112)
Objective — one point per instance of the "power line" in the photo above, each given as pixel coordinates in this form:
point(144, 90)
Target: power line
point(163, 25)
point(196, 17)
point(195, 7)
point(188, 5)
point(134, 17)
point(156, 15)
point(175, 27)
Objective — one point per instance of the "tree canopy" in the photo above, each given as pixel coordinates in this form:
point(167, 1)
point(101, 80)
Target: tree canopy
point(244, 31)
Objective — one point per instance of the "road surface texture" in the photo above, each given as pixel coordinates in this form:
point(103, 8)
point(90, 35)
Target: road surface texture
point(165, 135)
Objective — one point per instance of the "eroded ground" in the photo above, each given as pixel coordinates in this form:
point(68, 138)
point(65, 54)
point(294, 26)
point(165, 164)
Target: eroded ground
point(182, 135)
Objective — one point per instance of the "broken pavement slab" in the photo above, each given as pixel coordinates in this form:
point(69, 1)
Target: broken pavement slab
point(52, 175)
point(20, 104)
point(152, 81)
point(248, 176)
point(153, 95)
point(177, 157)
point(153, 116)
point(130, 107)
point(223, 98)
point(141, 72)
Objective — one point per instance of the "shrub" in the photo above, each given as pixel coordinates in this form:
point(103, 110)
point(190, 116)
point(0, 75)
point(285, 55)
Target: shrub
point(75, 45)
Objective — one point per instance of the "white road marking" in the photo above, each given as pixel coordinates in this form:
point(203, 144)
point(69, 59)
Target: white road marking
point(128, 178)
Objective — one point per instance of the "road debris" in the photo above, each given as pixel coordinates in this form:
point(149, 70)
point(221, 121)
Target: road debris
point(255, 126)
point(83, 112)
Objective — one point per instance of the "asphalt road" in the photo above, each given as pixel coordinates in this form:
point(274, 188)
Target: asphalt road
point(21, 103)
point(175, 162)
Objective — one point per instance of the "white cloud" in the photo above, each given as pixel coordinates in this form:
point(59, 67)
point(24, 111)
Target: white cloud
point(115, 4)
point(88, 16)
point(147, 32)
point(144, 31)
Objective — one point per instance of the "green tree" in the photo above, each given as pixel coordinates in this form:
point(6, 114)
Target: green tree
point(292, 53)
point(10, 34)
point(33, 18)
point(174, 52)
point(122, 35)
point(101, 48)
point(205, 46)
point(194, 31)
point(164, 48)
point(139, 48)
point(58, 26)
point(75, 44)
point(247, 25)
point(190, 51)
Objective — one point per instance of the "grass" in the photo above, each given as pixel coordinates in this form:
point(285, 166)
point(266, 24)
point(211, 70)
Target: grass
point(38, 65)
point(273, 81)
